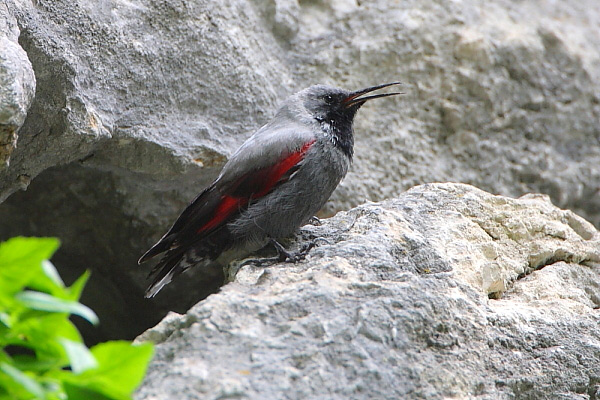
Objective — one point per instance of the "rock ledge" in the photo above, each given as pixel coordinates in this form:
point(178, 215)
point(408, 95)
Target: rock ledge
point(446, 291)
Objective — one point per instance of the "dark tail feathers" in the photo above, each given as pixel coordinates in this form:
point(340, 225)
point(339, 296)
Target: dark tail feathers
point(168, 268)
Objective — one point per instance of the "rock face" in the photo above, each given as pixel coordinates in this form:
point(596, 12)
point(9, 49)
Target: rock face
point(138, 104)
point(445, 292)
point(17, 86)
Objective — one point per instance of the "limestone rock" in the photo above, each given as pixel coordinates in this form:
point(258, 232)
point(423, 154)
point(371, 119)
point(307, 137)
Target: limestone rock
point(445, 292)
point(17, 87)
point(138, 103)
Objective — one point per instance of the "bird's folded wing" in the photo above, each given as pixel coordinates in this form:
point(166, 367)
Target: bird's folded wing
point(230, 194)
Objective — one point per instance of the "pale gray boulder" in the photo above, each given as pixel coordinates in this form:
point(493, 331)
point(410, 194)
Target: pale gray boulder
point(445, 292)
point(17, 87)
point(139, 103)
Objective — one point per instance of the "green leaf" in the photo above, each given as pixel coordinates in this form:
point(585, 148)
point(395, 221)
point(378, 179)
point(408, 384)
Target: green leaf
point(122, 367)
point(36, 323)
point(33, 364)
point(45, 302)
point(75, 392)
point(20, 261)
point(22, 379)
point(5, 319)
point(52, 274)
point(42, 333)
point(49, 281)
point(80, 357)
point(123, 363)
point(77, 286)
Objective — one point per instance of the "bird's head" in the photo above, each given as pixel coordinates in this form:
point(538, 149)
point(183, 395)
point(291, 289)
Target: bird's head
point(334, 106)
point(332, 110)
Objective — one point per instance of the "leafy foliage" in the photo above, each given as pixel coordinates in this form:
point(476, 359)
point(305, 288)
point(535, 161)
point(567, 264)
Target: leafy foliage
point(42, 355)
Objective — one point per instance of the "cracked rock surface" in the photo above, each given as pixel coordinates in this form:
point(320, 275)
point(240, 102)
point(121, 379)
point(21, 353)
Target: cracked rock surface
point(137, 104)
point(444, 292)
point(17, 86)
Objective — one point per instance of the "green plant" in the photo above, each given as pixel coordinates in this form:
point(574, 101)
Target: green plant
point(42, 355)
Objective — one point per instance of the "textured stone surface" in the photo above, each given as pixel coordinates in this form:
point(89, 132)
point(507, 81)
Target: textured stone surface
point(17, 86)
point(138, 104)
point(445, 292)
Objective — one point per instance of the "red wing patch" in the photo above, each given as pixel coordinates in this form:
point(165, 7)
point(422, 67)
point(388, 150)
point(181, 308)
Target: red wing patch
point(276, 172)
point(227, 207)
point(252, 186)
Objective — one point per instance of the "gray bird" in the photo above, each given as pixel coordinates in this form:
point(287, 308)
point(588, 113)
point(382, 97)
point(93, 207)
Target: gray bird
point(273, 184)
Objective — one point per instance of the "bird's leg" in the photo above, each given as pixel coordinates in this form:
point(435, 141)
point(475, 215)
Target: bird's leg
point(283, 255)
point(287, 256)
point(260, 262)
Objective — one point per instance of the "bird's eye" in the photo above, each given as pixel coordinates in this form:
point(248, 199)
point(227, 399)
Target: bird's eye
point(328, 99)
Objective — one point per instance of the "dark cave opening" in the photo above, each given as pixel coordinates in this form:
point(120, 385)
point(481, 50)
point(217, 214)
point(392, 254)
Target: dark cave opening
point(83, 208)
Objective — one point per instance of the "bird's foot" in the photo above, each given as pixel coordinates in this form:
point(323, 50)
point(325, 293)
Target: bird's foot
point(261, 262)
point(314, 221)
point(293, 257)
point(283, 255)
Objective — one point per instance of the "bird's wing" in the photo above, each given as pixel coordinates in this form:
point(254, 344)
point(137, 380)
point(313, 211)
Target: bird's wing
point(260, 164)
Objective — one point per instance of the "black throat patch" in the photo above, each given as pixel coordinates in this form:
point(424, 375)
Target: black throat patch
point(339, 125)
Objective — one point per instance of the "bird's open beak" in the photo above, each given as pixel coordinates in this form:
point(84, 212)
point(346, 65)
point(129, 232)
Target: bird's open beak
point(355, 98)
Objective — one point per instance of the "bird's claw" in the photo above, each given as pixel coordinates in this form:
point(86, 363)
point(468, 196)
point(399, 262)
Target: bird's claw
point(315, 221)
point(304, 251)
point(292, 257)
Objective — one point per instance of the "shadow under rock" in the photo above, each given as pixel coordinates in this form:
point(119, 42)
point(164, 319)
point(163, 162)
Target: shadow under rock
point(83, 208)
